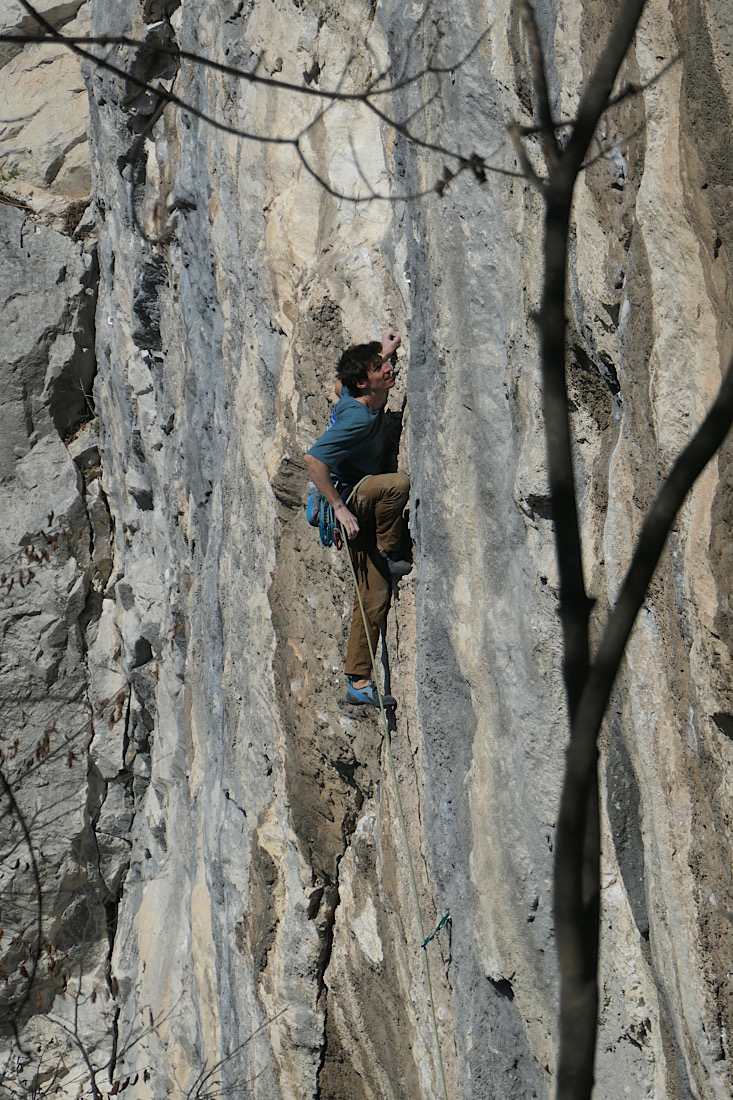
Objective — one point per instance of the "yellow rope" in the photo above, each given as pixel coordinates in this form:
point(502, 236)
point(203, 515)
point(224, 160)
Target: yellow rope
point(400, 807)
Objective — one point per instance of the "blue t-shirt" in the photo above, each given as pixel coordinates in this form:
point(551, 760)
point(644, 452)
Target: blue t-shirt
point(356, 444)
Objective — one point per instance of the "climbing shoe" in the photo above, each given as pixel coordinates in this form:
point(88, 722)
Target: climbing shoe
point(367, 696)
point(397, 566)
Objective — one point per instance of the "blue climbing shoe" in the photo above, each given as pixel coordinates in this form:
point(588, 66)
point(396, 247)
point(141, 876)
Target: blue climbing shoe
point(367, 696)
point(397, 566)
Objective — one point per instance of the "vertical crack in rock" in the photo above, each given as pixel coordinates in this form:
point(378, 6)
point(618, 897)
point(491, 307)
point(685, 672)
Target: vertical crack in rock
point(332, 899)
point(624, 813)
point(262, 915)
point(72, 360)
point(331, 754)
point(84, 450)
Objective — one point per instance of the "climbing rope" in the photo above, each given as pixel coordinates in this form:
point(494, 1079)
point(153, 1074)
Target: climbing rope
point(403, 821)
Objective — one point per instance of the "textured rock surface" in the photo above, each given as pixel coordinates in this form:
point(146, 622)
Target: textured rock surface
point(230, 833)
point(55, 550)
point(44, 163)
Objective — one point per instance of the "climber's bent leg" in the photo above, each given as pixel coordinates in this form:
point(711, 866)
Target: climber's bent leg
point(375, 589)
point(381, 501)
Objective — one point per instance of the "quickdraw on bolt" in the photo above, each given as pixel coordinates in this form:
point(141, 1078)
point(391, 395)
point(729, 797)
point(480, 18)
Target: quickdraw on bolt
point(434, 933)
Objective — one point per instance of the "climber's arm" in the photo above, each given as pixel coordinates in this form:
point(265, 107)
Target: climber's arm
point(391, 340)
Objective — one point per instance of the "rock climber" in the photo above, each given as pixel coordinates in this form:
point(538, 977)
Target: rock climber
point(355, 447)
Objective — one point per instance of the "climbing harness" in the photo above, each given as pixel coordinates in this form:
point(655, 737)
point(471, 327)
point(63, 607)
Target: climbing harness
point(319, 512)
point(327, 529)
point(403, 821)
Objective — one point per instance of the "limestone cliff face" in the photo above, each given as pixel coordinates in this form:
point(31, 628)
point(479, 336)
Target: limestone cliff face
point(227, 901)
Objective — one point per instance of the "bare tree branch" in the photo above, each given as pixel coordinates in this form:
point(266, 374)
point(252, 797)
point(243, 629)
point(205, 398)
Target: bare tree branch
point(588, 683)
point(629, 91)
point(79, 45)
point(249, 76)
point(596, 97)
point(527, 170)
point(539, 79)
point(577, 850)
point(652, 538)
point(204, 1078)
point(15, 809)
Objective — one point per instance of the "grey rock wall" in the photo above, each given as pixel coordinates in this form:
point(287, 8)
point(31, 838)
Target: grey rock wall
point(57, 871)
point(228, 904)
point(44, 163)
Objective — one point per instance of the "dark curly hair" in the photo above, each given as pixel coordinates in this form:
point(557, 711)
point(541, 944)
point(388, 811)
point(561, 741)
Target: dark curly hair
point(354, 364)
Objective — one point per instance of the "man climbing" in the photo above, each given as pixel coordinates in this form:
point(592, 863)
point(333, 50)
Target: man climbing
point(354, 452)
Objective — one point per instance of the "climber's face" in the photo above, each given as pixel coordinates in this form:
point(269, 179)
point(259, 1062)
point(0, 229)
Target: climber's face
point(381, 379)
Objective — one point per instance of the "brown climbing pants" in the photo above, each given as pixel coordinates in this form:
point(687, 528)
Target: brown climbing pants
point(378, 505)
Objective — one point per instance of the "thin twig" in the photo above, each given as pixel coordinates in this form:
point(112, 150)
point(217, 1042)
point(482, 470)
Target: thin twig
point(250, 76)
point(38, 907)
point(629, 91)
point(527, 170)
point(74, 43)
